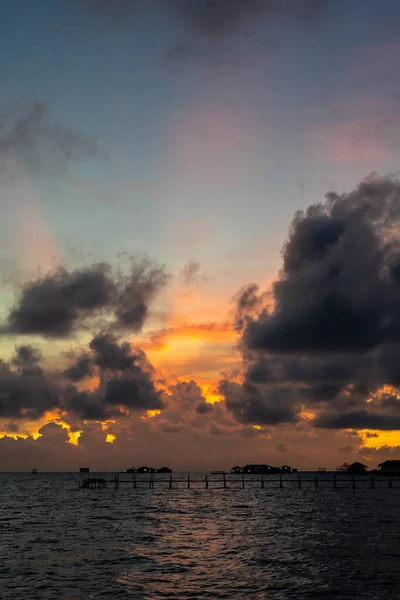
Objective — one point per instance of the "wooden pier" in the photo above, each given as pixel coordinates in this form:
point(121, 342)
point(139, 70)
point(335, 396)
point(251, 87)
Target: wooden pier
point(93, 483)
point(245, 482)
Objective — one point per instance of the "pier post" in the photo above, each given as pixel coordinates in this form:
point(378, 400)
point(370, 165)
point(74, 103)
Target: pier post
point(133, 481)
point(334, 481)
point(170, 482)
point(299, 481)
point(206, 480)
point(354, 483)
point(188, 481)
point(390, 482)
point(280, 481)
point(243, 481)
point(316, 481)
point(262, 480)
point(224, 481)
point(115, 482)
point(151, 482)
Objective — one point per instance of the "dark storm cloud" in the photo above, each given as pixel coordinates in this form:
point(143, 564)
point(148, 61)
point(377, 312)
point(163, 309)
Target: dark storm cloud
point(133, 390)
point(85, 405)
point(249, 404)
point(108, 353)
point(125, 380)
point(52, 305)
point(26, 392)
point(338, 291)
point(360, 419)
point(332, 339)
point(125, 383)
point(27, 131)
point(82, 367)
point(58, 303)
point(135, 291)
point(249, 301)
point(203, 408)
point(26, 356)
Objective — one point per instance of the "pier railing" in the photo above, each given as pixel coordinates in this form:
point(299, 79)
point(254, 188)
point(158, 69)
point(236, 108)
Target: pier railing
point(245, 482)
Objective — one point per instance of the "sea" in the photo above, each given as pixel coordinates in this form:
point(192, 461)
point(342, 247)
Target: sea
point(61, 541)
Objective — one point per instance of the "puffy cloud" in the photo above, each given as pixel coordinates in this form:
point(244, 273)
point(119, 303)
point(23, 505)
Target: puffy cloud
point(204, 407)
point(251, 404)
point(61, 301)
point(26, 392)
point(330, 339)
point(81, 368)
point(125, 381)
point(124, 384)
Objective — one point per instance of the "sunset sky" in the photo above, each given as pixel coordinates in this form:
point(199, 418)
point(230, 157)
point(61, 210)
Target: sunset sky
point(162, 300)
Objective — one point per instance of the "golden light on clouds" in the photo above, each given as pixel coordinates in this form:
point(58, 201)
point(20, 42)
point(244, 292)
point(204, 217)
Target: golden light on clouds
point(110, 438)
point(150, 414)
point(307, 415)
point(376, 439)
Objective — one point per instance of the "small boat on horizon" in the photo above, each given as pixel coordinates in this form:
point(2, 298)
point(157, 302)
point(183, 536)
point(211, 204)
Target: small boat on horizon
point(34, 471)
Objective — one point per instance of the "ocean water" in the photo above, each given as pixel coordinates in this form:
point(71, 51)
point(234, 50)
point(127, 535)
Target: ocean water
point(58, 541)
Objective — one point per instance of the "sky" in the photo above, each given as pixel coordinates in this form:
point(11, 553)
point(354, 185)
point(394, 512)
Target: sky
point(199, 248)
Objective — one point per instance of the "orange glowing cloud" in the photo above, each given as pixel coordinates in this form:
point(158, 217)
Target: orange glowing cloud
point(199, 351)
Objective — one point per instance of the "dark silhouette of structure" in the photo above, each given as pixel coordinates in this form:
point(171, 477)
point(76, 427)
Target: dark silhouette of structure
point(84, 470)
point(264, 470)
point(357, 468)
point(94, 482)
point(149, 470)
point(390, 467)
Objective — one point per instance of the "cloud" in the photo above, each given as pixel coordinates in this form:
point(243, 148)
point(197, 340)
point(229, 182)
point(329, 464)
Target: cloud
point(109, 354)
point(125, 381)
point(192, 273)
point(200, 24)
point(26, 392)
point(360, 419)
point(339, 284)
point(29, 135)
point(82, 368)
point(391, 451)
point(249, 301)
point(329, 341)
point(204, 407)
point(62, 301)
point(249, 404)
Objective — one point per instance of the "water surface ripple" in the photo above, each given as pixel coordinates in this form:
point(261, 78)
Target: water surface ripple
point(58, 541)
